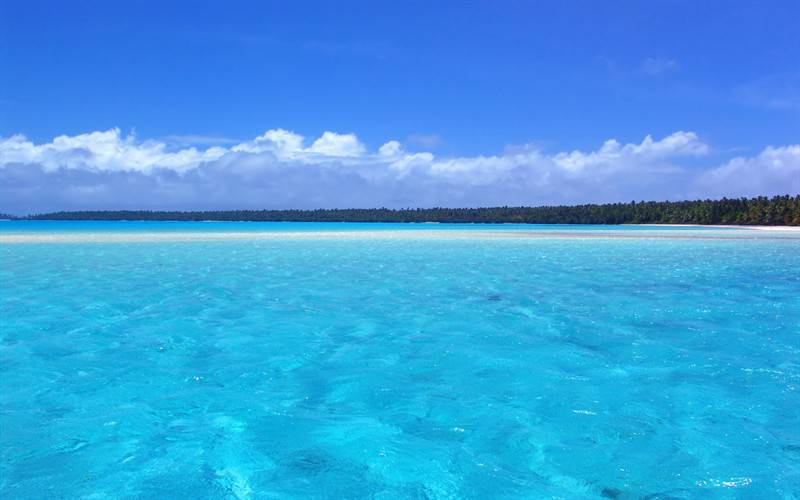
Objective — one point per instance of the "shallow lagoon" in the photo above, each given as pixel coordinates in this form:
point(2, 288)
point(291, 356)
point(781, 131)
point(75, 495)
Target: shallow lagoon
point(252, 360)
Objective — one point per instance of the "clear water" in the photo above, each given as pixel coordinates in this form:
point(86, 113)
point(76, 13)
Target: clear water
point(45, 226)
point(508, 362)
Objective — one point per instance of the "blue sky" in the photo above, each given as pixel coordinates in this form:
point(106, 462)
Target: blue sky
point(455, 79)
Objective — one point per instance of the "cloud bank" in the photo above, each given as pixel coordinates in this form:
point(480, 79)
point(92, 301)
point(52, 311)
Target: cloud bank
point(281, 169)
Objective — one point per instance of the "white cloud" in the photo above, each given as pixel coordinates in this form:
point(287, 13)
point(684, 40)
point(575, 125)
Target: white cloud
point(285, 144)
point(282, 143)
point(613, 155)
point(773, 171)
point(391, 148)
point(333, 144)
point(106, 150)
point(277, 170)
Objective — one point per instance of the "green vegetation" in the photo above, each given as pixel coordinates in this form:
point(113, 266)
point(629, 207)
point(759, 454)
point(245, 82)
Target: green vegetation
point(779, 210)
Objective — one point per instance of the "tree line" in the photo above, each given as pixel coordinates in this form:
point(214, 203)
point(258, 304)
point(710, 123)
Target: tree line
point(778, 210)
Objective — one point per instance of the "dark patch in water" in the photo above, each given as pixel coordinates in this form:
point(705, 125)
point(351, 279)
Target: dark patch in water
point(610, 493)
point(793, 450)
point(494, 298)
point(311, 462)
point(582, 345)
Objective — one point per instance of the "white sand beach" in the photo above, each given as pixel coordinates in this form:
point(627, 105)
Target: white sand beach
point(719, 226)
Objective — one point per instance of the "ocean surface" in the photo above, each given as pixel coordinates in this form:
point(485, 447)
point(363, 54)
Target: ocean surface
point(287, 360)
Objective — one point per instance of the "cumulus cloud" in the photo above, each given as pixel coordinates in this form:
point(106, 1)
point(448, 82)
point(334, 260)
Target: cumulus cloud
point(333, 144)
point(614, 155)
point(391, 148)
point(281, 169)
point(286, 144)
point(281, 143)
point(102, 151)
point(773, 171)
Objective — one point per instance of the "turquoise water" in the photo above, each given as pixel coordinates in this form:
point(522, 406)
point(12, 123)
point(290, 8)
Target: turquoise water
point(36, 226)
point(465, 362)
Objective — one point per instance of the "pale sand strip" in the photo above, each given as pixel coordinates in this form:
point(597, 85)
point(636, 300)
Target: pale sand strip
point(583, 234)
point(789, 229)
point(758, 228)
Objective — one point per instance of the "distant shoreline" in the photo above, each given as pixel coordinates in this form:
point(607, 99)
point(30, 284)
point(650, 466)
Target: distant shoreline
point(777, 211)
